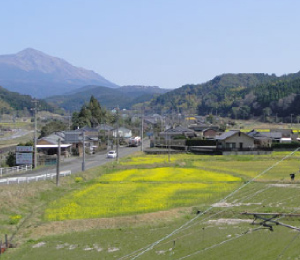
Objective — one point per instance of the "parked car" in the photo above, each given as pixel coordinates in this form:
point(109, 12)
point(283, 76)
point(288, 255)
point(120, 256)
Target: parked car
point(112, 154)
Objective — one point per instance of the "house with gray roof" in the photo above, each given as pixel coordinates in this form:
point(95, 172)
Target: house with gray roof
point(265, 139)
point(177, 131)
point(235, 140)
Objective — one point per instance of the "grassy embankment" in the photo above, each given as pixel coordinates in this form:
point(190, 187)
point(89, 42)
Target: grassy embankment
point(144, 198)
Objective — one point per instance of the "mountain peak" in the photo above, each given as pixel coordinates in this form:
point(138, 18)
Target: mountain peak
point(30, 52)
point(42, 72)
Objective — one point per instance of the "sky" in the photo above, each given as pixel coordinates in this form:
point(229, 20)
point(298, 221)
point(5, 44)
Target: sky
point(165, 43)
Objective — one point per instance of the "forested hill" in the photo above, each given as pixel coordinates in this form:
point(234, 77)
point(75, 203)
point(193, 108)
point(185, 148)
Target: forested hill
point(15, 103)
point(236, 95)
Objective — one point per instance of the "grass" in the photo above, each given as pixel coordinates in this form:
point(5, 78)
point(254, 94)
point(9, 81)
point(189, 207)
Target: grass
point(220, 233)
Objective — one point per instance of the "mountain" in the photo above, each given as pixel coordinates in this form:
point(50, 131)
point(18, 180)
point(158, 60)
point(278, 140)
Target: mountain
point(22, 105)
point(236, 95)
point(34, 73)
point(124, 97)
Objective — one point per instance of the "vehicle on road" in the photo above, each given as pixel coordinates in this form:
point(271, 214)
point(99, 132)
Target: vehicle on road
point(111, 154)
point(135, 141)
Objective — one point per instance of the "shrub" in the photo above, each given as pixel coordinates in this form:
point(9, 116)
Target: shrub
point(291, 145)
point(200, 142)
point(78, 179)
point(14, 219)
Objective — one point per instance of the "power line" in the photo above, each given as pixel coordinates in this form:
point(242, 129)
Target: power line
point(288, 245)
point(219, 244)
point(150, 247)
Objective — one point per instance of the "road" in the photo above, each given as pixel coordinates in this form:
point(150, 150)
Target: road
point(74, 164)
point(16, 134)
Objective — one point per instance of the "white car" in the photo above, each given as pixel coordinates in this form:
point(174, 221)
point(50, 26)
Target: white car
point(112, 154)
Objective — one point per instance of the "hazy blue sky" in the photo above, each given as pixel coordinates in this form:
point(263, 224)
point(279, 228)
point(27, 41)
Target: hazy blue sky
point(167, 43)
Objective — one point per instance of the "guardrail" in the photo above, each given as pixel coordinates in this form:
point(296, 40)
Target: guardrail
point(28, 179)
point(15, 169)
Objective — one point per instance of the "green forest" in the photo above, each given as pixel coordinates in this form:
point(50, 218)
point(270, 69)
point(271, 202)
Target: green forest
point(22, 105)
point(239, 96)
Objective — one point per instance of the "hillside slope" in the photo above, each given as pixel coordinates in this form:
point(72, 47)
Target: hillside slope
point(12, 102)
point(236, 95)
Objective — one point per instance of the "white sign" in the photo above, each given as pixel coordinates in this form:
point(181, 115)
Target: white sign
point(24, 158)
point(24, 149)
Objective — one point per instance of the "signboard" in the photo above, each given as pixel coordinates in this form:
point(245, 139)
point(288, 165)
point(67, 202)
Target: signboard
point(24, 149)
point(149, 133)
point(23, 158)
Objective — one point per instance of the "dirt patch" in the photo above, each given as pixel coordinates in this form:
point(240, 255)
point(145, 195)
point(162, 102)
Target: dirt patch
point(285, 185)
point(228, 221)
point(38, 245)
point(228, 205)
point(63, 227)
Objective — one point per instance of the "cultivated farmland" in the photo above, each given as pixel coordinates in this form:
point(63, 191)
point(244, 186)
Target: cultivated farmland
point(148, 208)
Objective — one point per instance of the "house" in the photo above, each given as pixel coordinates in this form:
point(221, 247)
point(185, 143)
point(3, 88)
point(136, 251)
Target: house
point(123, 132)
point(201, 127)
point(47, 148)
point(104, 128)
point(287, 134)
point(265, 139)
point(75, 138)
point(235, 140)
point(209, 133)
point(171, 133)
point(212, 130)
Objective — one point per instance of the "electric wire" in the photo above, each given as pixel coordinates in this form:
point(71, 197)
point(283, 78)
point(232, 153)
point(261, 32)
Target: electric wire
point(276, 222)
point(288, 245)
point(215, 214)
point(220, 243)
point(151, 246)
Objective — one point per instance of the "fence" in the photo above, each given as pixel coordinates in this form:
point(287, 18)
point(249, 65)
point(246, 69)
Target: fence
point(28, 179)
point(15, 169)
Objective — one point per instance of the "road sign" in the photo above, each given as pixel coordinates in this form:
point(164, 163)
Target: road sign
point(24, 149)
point(23, 158)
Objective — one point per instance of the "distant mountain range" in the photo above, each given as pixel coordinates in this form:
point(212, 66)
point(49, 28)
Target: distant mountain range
point(34, 73)
point(62, 85)
point(123, 97)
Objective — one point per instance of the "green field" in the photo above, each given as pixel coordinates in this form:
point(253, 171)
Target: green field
point(148, 208)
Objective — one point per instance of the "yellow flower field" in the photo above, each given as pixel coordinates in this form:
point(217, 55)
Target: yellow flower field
point(189, 180)
point(154, 159)
point(142, 190)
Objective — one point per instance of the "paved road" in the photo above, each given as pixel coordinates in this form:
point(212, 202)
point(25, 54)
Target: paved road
point(74, 164)
point(16, 134)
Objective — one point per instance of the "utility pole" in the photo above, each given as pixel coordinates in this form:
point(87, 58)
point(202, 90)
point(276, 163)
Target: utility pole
point(142, 130)
point(118, 137)
point(292, 120)
point(35, 132)
point(69, 120)
point(58, 162)
point(83, 151)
